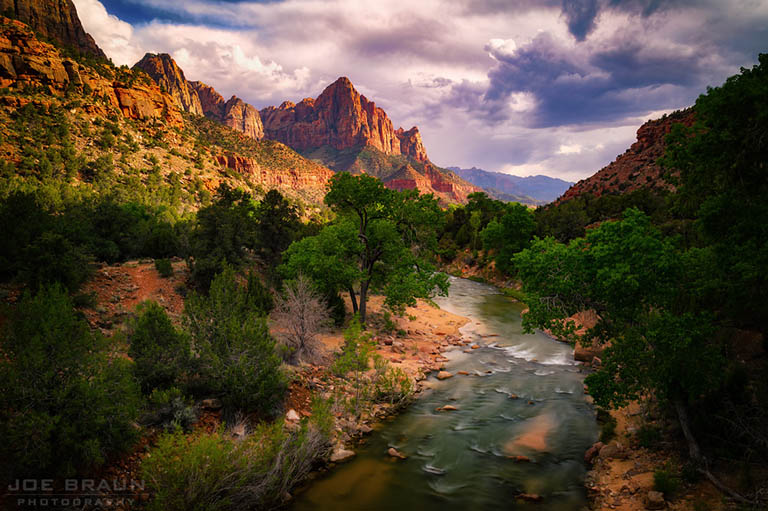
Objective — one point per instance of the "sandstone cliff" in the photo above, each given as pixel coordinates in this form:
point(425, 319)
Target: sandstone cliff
point(116, 115)
point(445, 185)
point(55, 20)
point(27, 62)
point(235, 113)
point(163, 70)
point(637, 167)
point(342, 119)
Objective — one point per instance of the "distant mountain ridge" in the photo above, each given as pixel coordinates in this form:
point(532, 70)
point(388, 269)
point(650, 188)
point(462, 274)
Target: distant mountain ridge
point(533, 190)
point(340, 129)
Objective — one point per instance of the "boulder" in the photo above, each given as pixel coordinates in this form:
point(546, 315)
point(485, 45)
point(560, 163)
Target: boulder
point(614, 450)
point(592, 452)
point(341, 455)
point(395, 453)
point(530, 497)
point(444, 375)
point(655, 500)
point(292, 416)
point(446, 408)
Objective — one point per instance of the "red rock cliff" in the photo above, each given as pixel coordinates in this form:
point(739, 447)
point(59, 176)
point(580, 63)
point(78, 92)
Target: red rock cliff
point(235, 113)
point(26, 61)
point(637, 167)
point(341, 118)
point(55, 20)
point(164, 70)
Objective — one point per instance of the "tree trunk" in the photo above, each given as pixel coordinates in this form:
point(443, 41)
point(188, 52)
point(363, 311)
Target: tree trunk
point(363, 299)
point(353, 298)
point(698, 458)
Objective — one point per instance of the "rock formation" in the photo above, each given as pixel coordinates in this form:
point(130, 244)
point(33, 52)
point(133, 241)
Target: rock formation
point(55, 20)
point(340, 118)
point(201, 99)
point(443, 184)
point(26, 61)
point(163, 70)
point(637, 168)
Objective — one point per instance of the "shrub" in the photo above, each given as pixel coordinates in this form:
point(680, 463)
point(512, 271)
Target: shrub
point(607, 425)
point(65, 406)
point(164, 267)
point(212, 471)
point(171, 410)
point(301, 312)
point(666, 482)
point(336, 308)
point(393, 385)
point(259, 297)
point(237, 357)
point(161, 352)
point(648, 436)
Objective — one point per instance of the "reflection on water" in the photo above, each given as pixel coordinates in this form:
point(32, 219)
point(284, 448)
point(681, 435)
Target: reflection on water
point(531, 404)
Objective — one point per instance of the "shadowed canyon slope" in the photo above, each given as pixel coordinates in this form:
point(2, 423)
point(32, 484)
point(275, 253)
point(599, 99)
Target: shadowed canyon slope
point(637, 167)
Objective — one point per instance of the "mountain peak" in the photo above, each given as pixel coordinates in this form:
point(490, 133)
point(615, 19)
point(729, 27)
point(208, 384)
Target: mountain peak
point(342, 119)
point(163, 69)
point(55, 20)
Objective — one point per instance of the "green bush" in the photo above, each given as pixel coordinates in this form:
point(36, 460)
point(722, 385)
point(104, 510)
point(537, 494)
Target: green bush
point(648, 436)
point(212, 471)
point(161, 353)
point(171, 410)
point(666, 482)
point(65, 405)
point(259, 297)
point(164, 267)
point(607, 425)
point(237, 357)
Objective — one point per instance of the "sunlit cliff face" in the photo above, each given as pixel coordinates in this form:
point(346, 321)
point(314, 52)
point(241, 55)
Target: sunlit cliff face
point(551, 86)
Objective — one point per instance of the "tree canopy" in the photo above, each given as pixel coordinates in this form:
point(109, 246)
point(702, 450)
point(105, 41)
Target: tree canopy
point(380, 241)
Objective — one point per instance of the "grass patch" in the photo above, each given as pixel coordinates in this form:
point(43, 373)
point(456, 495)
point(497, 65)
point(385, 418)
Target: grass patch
point(517, 294)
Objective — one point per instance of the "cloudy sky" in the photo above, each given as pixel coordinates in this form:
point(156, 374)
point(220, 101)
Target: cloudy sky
point(556, 87)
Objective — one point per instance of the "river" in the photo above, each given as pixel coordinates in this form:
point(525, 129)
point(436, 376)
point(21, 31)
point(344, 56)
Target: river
point(460, 459)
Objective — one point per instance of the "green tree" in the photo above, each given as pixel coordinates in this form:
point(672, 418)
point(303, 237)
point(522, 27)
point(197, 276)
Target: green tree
point(382, 240)
point(65, 404)
point(508, 235)
point(160, 351)
point(659, 342)
point(236, 355)
point(722, 165)
point(224, 232)
point(278, 224)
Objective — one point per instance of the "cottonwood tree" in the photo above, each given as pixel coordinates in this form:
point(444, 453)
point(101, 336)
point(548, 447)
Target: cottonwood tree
point(300, 312)
point(382, 241)
point(641, 286)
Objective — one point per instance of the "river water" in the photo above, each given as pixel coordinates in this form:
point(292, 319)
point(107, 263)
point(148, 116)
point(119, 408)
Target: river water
point(460, 459)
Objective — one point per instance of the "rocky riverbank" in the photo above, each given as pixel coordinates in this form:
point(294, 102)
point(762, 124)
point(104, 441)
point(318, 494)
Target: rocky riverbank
point(411, 345)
